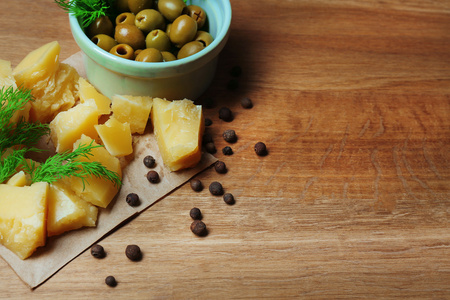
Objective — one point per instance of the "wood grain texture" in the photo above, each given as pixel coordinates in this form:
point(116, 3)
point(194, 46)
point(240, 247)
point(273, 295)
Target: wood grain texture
point(352, 99)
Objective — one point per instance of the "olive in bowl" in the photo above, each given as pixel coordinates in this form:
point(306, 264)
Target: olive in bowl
point(188, 77)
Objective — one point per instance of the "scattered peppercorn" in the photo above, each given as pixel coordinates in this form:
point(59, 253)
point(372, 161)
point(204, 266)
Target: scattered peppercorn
point(260, 149)
point(210, 148)
point(133, 252)
point(236, 71)
point(230, 136)
point(195, 213)
point(153, 176)
point(207, 138)
point(208, 122)
point(196, 185)
point(198, 228)
point(233, 84)
point(246, 102)
point(228, 198)
point(216, 188)
point(225, 114)
point(149, 161)
point(133, 199)
point(227, 150)
point(220, 167)
point(98, 251)
point(111, 281)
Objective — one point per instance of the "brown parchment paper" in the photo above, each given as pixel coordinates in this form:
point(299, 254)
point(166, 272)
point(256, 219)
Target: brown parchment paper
point(60, 250)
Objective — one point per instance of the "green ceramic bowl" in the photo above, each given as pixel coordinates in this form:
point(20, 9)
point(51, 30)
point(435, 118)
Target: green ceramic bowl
point(185, 78)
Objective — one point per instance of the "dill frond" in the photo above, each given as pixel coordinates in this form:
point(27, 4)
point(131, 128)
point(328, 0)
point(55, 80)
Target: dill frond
point(9, 163)
point(20, 133)
point(66, 164)
point(87, 10)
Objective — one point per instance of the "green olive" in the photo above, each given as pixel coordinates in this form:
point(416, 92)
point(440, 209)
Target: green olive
point(183, 30)
point(149, 19)
point(168, 56)
point(204, 37)
point(168, 26)
point(131, 35)
point(190, 49)
point(150, 55)
point(122, 50)
point(102, 25)
point(197, 13)
point(136, 6)
point(158, 39)
point(121, 6)
point(125, 18)
point(171, 9)
point(104, 41)
point(136, 53)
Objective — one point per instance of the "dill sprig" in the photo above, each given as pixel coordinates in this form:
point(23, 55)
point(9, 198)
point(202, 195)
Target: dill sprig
point(67, 164)
point(20, 132)
point(10, 161)
point(87, 10)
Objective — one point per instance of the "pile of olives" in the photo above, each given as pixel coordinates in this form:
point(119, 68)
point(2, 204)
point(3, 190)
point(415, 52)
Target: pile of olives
point(152, 31)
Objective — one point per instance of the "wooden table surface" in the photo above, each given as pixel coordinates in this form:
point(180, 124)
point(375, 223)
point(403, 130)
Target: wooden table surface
point(352, 99)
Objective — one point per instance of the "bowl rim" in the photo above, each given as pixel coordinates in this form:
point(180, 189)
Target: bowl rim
point(145, 69)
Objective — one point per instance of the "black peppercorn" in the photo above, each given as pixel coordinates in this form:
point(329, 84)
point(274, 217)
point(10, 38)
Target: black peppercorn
point(227, 150)
point(228, 198)
point(149, 161)
point(98, 251)
point(133, 252)
point(208, 122)
point(260, 149)
point(216, 188)
point(220, 167)
point(246, 102)
point(198, 228)
point(225, 114)
point(196, 185)
point(195, 213)
point(133, 199)
point(210, 148)
point(236, 71)
point(111, 281)
point(153, 176)
point(230, 136)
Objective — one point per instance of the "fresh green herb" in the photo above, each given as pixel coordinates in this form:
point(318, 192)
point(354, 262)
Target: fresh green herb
point(21, 132)
point(87, 10)
point(66, 164)
point(25, 134)
point(9, 161)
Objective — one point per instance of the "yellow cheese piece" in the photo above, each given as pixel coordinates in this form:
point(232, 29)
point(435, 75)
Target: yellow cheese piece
point(7, 80)
point(23, 213)
point(98, 191)
point(88, 91)
point(68, 126)
point(38, 64)
point(116, 137)
point(134, 110)
point(53, 84)
point(178, 126)
point(6, 75)
point(66, 211)
point(52, 95)
point(18, 179)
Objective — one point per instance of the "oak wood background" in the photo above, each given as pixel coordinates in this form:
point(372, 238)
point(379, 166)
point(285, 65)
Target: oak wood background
point(352, 99)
